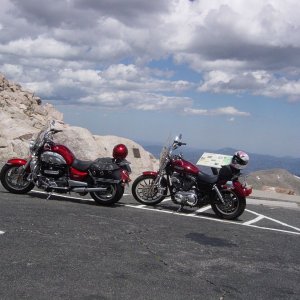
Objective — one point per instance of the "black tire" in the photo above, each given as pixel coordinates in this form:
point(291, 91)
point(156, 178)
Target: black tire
point(8, 177)
point(141, 190)
point(233, 208)
point(112, 195)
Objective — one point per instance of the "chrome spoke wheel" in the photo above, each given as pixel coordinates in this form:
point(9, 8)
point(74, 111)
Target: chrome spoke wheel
point(15, 179)
point(146, 190)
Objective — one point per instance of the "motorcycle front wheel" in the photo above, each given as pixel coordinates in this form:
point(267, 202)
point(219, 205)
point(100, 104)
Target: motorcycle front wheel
point(13, 181)
point(232, 208)
point(145, 192)
point(110, 196)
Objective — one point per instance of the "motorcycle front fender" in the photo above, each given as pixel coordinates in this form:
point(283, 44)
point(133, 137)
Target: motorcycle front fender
point(152, 173)
point(17, 162)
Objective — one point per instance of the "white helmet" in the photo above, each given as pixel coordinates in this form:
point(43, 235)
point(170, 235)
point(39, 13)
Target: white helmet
point(240, 160)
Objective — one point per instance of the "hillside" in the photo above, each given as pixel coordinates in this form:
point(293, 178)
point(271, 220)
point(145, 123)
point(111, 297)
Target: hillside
point(23, 114)
point(278, 180)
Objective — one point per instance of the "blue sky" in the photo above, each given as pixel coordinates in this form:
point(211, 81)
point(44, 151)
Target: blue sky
point(223, 73)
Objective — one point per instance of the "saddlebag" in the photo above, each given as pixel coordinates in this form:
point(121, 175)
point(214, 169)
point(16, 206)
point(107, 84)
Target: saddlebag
point(105, 167)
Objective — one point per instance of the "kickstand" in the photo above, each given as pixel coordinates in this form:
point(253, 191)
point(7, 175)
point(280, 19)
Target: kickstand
point(180, 208)
point(49, 195)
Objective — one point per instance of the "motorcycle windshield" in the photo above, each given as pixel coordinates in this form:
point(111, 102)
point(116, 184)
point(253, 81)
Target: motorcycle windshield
point(41, 135)
point(39, 139)
point(166, 151)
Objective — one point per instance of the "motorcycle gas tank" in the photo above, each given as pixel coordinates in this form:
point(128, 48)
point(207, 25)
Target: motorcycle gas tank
point(183, 166)
point(53, 158)
point(65, 152)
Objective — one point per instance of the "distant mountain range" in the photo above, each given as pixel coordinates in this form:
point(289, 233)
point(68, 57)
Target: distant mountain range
point(257, 161)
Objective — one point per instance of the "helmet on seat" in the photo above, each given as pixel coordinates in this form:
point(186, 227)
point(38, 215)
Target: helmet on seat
point(239, 160)
point(120, 151)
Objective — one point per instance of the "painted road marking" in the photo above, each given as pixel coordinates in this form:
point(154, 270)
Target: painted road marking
point(202, 209)
point(196, 215)
point(193, 215)
point(69, 197)
point(254, 220)
point(274, 220)
point(2, 232)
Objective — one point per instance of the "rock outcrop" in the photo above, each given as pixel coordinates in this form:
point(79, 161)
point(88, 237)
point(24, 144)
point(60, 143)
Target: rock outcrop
point(22, 115)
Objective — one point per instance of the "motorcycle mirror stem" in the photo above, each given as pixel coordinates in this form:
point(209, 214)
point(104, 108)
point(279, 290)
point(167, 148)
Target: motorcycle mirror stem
point(178, 138)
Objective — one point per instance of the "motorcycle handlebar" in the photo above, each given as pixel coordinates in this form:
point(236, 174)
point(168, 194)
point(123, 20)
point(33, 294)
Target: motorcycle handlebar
point(180, 144)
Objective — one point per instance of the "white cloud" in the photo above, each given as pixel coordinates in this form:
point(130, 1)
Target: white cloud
point(137, 100)
point(227, 111)
point(40, 88)
point(39, 47)
point(77, 47)
point(90, 77)
point(257, 82)
point(13, 71)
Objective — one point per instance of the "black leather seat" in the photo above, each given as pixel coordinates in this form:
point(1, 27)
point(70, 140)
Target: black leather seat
point(82, 165)
point(205, 178)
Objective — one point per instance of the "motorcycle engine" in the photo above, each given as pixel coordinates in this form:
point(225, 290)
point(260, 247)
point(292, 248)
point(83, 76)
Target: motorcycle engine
point(182, 182)
point(182, 186)
point(53, 165)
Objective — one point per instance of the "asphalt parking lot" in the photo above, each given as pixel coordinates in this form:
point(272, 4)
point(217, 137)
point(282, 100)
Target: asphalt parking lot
point(70, 248)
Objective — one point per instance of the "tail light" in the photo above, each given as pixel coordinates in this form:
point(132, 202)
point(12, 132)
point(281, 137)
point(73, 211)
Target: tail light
point(125, 176)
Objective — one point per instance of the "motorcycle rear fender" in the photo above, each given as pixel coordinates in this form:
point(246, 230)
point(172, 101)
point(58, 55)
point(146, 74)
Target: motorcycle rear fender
point(241, 190)
point(152, 173)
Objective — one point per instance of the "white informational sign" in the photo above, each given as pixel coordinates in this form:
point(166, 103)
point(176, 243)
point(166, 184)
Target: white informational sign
point(214, 160)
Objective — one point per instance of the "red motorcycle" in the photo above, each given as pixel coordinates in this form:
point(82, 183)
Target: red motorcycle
point(54, 168)
point(187, 185)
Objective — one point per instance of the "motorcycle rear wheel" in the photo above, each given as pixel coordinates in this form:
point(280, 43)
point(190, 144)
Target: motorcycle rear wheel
point(233, 208)
point(10, 181)
point(144, 192)
point(113, 194)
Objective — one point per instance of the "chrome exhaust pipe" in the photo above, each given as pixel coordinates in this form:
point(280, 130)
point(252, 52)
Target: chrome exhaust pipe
point(87, 190)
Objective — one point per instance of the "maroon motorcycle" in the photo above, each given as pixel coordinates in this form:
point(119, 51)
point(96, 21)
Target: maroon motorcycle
point(189, 186)
point(54, 168)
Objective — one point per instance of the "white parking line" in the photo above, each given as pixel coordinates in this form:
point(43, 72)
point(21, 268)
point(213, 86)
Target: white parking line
point(67, 196)
point(274, 220)
point(193, 215)
point(2, 232)
point(254, 220)
point(202, 209)
point(196, 215)
point(273, 229)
